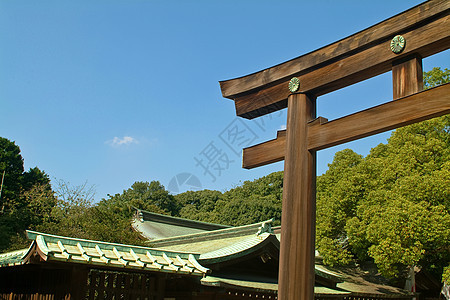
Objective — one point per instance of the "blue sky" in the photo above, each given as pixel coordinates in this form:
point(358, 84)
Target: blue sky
point(113, 92)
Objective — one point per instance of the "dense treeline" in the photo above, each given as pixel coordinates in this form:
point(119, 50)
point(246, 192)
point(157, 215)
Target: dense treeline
point(391, 207)
point(16, 211)
point(262, 202)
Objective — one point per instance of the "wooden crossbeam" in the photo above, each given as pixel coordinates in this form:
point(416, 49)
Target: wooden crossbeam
point(322, 134)
point(363, 39)
point(425, 28)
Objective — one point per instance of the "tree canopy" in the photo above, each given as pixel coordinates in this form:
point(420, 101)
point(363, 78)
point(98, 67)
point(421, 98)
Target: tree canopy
point(393, 205)
point(252, 202)
point(15, 212)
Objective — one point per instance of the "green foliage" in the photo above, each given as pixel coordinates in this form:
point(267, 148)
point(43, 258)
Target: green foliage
point(109, 220)
point(254, 201)
point(236, 212)
point(11, 164)
point(73, 214)
point(106, 225)
point(68, 217)
point(198, 205)
point(338, 192)
point(391, 206)
point(34, 176)
point(41, 202)
point(436, 77)
point(446, 275)
point(143, 195)
point(16, 213)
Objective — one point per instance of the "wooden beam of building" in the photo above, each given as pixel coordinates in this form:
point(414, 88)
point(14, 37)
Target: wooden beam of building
point(373, 60)
point(382, 31)
point(322, 134)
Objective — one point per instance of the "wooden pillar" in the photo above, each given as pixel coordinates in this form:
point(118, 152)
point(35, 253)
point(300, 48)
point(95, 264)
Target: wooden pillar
point(296, 272)
point(407, 76)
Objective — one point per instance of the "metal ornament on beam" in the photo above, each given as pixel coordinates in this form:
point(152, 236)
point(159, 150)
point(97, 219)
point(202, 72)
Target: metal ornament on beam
point(294, 85)
point(398, 44)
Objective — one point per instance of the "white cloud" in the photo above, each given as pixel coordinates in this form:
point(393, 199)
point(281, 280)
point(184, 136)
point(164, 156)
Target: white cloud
point(126, 140)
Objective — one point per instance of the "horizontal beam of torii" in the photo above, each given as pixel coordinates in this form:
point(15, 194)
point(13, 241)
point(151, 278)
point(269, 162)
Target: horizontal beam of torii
point(353, 59)
point(323, 134)
point(398, 45)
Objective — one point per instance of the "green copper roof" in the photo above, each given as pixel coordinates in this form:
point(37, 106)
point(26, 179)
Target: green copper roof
point(353, 284)
point(71, 250)
point(261, 286)
point(12, 258)
point(238, 249)
point(222, 245)
point(157, 226)
point(221, 234)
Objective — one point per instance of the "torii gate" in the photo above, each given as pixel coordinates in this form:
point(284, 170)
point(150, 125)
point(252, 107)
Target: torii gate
point(396, 44)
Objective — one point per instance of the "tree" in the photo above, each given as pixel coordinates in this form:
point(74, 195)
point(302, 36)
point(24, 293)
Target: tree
point(11, 165)
point(16, 214)
point(436, 77)
point(405, 216)
point(34, 176)
point(338, 192)
point(254, 201)
point(70, 211)
point(69, 215)
point(393, 205)
point(110, 219)
point(143, 195)
point(198, 205)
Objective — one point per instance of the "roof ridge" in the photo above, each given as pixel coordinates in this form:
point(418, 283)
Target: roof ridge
point(12, 258)
point(177, 220)
point(71, 250)
point(234, 249)
point(214, 234)
point(34, 235)
point(12, 253)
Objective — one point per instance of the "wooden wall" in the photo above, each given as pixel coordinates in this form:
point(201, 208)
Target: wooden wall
point(34, 283)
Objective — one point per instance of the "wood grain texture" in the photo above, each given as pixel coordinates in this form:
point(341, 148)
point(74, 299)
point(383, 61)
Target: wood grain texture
point(424, 41)
point(265, 153)
point(411, 109)
point(384, 30)
point(296, 271)
point(407, 76)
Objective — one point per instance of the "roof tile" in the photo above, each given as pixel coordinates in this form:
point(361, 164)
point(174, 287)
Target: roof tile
point(71, 250)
